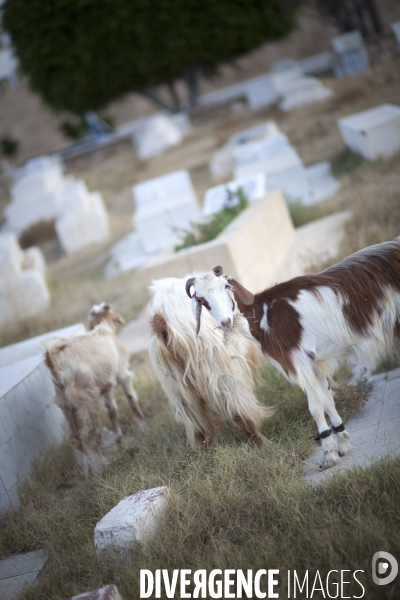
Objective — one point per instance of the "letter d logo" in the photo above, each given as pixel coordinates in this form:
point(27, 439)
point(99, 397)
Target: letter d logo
point(382, 567)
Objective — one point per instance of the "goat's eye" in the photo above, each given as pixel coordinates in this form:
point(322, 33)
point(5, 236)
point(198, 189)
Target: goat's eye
point(227, 287)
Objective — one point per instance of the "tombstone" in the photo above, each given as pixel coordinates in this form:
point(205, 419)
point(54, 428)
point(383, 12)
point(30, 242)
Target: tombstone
point(319, 64)
point(132, 521)
point(260, 94)
point(288, 71)
point(217, 197)
point(23, 289)
point(373, 133)
point(83, 225)
point(351, 55)
point(164, 206)
point(322, 184)
point(126, 255)
point(156, 135)
point(303, 90)
point(396, 32)
point(222, 162)
point(278, 161)
point(35, 194)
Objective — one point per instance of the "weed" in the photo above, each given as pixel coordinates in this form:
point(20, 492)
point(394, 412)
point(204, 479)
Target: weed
point(205, 232)
point(9, 146)
point(346, 162)
point(302, 214)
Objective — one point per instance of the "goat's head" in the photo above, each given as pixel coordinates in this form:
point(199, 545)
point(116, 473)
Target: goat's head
point(103, 312)
point(215, 292)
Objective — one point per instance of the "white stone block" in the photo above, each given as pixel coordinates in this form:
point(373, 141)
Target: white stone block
point(317, 64)
point(25, 296)
point(108, 592)
point(258, 151)
point(306, 96)
point(373, 133)
point(126, 255)
point(156, 135)
point(160, 189)
point(35, 346)
point(84, 227)
point(164, 205)
point(133, 521)
point(74, 196)
point(222, 162)
point(351, 55)
point(260, 94)
point(33, 260)
point(219, 196)
point(280, 163)
point(11, 256)
point(322, 184)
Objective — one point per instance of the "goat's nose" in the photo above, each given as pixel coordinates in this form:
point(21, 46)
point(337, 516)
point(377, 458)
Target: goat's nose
point(226, 322)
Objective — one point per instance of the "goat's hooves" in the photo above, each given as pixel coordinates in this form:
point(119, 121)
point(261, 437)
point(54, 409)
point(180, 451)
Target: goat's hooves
point(329, 460)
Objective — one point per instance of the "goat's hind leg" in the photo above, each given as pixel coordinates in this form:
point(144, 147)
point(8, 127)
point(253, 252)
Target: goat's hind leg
point(342, 436)
point(133, 400)
point(112, 410)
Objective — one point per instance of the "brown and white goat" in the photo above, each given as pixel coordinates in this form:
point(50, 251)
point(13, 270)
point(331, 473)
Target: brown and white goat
point(86, 368)
point(307, 324)
point(201, 373)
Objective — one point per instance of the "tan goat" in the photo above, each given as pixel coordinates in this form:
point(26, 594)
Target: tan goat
point(84, 369)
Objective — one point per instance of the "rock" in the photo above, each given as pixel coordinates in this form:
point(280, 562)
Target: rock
point(132, 521)
point(108, 592)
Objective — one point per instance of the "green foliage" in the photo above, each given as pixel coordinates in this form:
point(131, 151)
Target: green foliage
point(74, 129)
point(205, 232)
point(346, 162)
point(81, 55)
point(390, 361)
point(9, 146)
point(302, 214)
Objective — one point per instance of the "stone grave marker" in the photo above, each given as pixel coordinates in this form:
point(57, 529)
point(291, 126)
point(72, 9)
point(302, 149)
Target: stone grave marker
point(156, 135)
point(351, 55)
point(221, 195)
point(373, 133)
point(164, 206)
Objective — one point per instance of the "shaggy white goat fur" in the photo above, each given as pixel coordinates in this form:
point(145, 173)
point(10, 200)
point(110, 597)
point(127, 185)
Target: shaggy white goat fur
point(84, 369)
point(199, 373)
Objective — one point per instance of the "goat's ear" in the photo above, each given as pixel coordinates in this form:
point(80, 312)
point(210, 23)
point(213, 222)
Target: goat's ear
point(242, 295)
point(117, 318)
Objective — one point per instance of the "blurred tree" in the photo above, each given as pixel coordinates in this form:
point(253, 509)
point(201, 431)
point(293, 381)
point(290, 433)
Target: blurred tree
point(81, 54)
point(349, 15)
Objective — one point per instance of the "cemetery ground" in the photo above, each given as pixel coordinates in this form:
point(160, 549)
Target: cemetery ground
point(236, 506)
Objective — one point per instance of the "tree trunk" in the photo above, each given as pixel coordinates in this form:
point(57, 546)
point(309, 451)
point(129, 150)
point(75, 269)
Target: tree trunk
point(192, 77)
point(174, 96)
point(156, 100)
point(374, 14)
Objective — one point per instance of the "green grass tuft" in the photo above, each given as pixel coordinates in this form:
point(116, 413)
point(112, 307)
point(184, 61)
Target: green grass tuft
point(205, 232)
point(346, 162)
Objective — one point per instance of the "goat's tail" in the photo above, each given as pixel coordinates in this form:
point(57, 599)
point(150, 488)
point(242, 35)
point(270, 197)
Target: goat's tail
point(52, 349)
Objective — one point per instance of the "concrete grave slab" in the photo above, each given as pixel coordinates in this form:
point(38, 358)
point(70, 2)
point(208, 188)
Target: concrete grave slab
point(373, 133)
point(156, 135)
point(132, 521)
point(20, 570)
point(322, 184)
point(351, 55)
point(164, 205)
point(373, 430)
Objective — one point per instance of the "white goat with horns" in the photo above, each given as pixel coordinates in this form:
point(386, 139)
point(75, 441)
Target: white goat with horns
point(307, 324)
point(84, 369)
point(199, 373)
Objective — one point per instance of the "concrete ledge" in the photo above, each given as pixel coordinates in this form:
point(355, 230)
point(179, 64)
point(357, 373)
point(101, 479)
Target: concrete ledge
point(249, 249)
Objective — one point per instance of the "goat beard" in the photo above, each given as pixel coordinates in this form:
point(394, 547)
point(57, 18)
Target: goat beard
point(196, 308)
point(227, 333)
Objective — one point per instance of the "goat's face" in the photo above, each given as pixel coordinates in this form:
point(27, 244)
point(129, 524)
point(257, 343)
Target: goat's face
point(101, 312)
point(212, 291)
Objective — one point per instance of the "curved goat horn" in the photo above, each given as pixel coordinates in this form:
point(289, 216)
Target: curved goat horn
point(199, 306)
point(189, 284)
point(218, 271)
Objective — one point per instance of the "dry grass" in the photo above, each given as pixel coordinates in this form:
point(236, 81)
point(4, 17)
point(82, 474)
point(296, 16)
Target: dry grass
point(235, 506)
